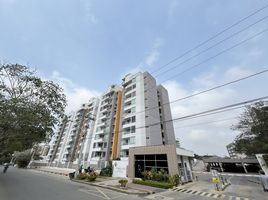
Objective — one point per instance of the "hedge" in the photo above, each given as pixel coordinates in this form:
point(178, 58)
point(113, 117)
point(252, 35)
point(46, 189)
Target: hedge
point(164, 185)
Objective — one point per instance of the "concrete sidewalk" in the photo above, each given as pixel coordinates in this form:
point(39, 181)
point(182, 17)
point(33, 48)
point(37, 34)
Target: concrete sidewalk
point(105, 182)
point(112, 183)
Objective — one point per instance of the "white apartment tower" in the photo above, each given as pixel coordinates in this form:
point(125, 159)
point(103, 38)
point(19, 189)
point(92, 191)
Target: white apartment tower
point(71, 143)
point(104, 142)
point(145, 110)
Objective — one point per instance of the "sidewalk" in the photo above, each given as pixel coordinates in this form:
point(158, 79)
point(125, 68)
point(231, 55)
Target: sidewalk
point(112, 183)
point(105, 182)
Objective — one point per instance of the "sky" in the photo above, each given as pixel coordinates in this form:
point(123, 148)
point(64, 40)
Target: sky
point(87, 45)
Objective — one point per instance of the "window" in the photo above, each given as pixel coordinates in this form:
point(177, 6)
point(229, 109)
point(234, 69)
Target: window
point(128, 130)
point(133, 94)
point(132, 140)
point(124, 153)
point(130, 88)
point(149, 161)
point(129, 120)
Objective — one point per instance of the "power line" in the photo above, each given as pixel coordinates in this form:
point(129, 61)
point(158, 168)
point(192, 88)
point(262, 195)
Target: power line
point(211, 38)
point(216, 55)
point(207, 90)
point(208, 59)
point(214, 45)
point(208, 112)
point(204, 123)
point(213, 113)
point(214, 36)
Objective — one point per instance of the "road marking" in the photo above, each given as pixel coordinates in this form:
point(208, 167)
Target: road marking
point(210, 195)
point(203, 194)
point(102, 193)
point(91, 193)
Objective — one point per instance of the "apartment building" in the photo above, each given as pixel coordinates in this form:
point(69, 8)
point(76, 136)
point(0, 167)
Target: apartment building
point(58, 141)
point(70, 145)
point(104, 144)
point(145, 110)
point(134, 115)
point(232, 153)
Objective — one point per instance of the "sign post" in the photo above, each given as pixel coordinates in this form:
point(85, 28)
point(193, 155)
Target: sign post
point(216, 179)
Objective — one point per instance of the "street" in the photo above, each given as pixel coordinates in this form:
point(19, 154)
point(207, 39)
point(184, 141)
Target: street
point(20, 184)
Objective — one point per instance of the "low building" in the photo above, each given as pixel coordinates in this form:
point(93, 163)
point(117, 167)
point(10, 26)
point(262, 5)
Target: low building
point(170, 158)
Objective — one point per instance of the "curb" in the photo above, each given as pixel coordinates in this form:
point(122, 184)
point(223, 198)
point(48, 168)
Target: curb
point(57, 173)
point(114, 188)
point(254, 181)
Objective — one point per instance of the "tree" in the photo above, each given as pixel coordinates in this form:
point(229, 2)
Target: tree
point(29, 108)
point(253, 126)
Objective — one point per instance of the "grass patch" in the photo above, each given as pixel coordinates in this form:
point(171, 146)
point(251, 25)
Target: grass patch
point(164, 185)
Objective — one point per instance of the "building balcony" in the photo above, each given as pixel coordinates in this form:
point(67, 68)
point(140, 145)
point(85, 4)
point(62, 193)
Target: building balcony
point(127, 134)
point(101, 139)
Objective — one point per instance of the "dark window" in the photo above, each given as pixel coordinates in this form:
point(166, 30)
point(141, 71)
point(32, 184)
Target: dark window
point(161, 157)
point(139, 157)
point(149, 157)
point(149, 163)
point(161, 163)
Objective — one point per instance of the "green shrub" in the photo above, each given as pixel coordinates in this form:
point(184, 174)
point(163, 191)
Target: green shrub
point(23, 158)
point(174, 180)
point(107, 171)
point(82, 176)
point(164, 185)
point(91, 177)
point(87, 176)
point(123, 182)
point(155, 175)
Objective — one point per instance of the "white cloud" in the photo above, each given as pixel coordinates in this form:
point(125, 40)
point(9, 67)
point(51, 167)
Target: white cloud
point(154, 54)
point(76, 95)
point(90, 16)
point(212, 133)
point(150, 59)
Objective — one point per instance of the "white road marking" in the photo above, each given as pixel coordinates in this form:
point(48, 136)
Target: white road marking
point(91, 193)
point(102, 193)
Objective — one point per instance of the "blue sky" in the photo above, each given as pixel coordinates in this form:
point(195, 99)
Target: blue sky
point(87, 45)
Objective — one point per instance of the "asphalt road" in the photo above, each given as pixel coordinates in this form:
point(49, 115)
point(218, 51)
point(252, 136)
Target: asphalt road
point(19, 184)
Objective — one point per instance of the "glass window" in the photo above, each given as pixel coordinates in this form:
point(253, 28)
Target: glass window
point(132, 140)
point(149, 163)
point(161, 156)
point(139, 157)
point(149, 157)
